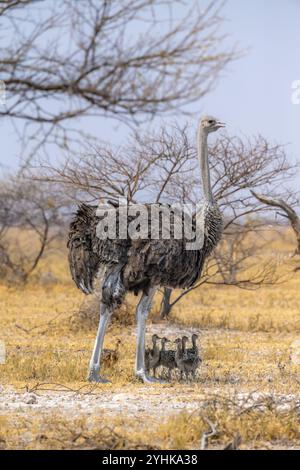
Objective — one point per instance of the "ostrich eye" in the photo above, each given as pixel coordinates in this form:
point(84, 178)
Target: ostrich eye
point(211, 121)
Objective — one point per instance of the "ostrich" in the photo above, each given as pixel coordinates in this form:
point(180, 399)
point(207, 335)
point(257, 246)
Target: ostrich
point(179, 356)
point(152, 356)
point(140, 265)
point(167, 357)
point(187, 360)
point(194, 350)
point(190, 360)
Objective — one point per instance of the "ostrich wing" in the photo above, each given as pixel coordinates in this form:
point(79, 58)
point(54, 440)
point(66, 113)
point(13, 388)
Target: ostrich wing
point(144, 262)
point(87, 251)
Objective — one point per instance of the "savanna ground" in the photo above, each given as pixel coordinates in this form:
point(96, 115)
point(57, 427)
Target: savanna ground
point(247, 393)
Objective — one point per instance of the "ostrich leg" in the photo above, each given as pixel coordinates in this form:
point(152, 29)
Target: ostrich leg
point(142, 312)
point(94, 368)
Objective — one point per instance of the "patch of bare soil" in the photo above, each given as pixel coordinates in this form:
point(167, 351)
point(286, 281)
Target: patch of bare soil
point(157, 402)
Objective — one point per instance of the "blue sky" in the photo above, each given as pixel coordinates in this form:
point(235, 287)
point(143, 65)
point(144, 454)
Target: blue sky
point(253, 95)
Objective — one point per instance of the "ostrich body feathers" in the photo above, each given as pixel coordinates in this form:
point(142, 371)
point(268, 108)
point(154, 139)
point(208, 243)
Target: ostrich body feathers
point(136, 264)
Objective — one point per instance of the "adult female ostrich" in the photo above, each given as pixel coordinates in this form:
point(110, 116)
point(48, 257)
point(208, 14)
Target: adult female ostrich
point(140, 265)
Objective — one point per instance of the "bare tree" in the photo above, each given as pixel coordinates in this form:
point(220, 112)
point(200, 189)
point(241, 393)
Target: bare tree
point(145, 167)
point(287, 212)
point(235, 251)
point(7, 5)
point(34, 210)
point(238, 166)
point(128, 60)
point(162, 167)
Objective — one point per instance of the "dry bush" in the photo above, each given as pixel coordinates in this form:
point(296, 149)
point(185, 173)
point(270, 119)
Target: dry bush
point(260, 422)
point(56, 432)
point(87, 316)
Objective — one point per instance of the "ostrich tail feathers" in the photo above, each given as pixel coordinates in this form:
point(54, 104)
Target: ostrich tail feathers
point(83, 262)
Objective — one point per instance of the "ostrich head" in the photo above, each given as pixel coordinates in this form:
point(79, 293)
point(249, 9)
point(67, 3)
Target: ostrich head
point(210, 124)
point(155, 338)
point(184, 339)
point(165, 340)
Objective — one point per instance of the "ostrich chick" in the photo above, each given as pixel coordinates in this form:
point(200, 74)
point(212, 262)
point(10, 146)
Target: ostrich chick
point(167, 357)
point(190, 356)
point(179, 356)
point(194, 350)
point(152, 356)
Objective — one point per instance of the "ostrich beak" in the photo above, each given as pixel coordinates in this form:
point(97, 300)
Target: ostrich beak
point(221, 124)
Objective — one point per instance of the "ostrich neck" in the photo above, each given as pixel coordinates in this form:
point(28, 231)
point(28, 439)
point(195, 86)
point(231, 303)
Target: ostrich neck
point(204, 167)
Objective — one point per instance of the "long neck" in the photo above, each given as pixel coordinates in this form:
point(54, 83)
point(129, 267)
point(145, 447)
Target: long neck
point(179, 349)
point(204, 168)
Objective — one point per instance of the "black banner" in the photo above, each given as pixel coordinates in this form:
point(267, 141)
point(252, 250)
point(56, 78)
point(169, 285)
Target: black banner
point(136, 459)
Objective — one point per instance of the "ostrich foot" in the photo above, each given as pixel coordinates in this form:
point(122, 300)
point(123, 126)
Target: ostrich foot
point(146, 379)
point(95, 377)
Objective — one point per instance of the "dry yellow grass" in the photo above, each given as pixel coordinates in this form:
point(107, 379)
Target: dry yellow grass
point(247, 340)
point(183, 431)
